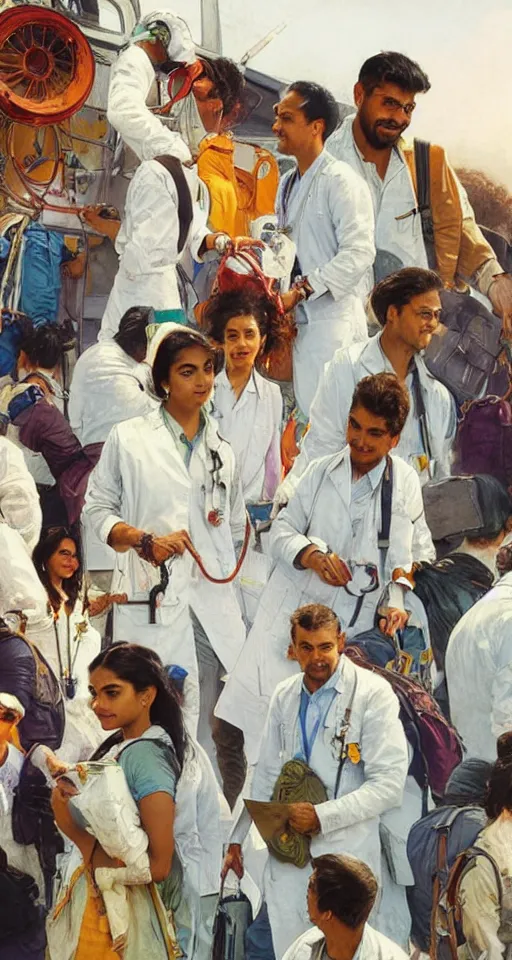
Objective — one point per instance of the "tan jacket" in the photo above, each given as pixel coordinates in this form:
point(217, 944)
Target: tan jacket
point(460, 246)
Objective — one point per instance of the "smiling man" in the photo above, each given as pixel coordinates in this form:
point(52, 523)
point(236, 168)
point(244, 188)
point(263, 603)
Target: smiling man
point(330, 717)
point(371, 142)
point(408, 307)
point(327, 211)
point(332, 544)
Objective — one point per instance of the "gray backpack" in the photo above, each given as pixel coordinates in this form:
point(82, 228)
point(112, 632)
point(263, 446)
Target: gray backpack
point(463, 354)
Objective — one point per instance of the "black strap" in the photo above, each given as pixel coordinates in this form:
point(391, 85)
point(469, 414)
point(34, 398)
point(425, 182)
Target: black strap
point(422, 165)
point(386, 497)
point(421, 412)
point(185, 207)
point(342, 737)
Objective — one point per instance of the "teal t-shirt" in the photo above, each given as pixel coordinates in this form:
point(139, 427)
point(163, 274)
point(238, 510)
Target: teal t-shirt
point(147, 768)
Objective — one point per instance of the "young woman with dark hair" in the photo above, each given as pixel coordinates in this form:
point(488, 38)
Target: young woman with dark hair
point(164, 482)
point(69, 641)
point(131, 695)
point(248, 407)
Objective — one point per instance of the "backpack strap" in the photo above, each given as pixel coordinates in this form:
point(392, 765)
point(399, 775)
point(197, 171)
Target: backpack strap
point(386, 497)
point(421, 412)
point(185, 205)
point(465, 862)
point(422, 165)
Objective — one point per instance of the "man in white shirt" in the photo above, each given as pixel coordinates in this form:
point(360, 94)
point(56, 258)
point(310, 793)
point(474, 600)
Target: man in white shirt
point(478, 668)
point(371, 142)
point(111, 383)
point(341, 894)
point(343, 723)
point(408, 308)
point(327, 211)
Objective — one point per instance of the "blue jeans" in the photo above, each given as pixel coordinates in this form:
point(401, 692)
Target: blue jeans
point(258, 939)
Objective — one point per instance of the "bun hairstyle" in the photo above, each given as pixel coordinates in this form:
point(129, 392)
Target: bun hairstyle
point(499, 791)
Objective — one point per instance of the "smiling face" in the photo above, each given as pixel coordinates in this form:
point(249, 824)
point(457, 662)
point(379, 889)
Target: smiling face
point(190, 380)
point(416, 322)
point(384, 114)
point(117, 703)
point(369, 439)
point(293, 130)
point(242, 342)
point(64, 562)
point(318, 653)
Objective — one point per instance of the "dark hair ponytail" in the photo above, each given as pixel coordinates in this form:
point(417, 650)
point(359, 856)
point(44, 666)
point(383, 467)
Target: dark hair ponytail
point(499, 791)
point(143, 668)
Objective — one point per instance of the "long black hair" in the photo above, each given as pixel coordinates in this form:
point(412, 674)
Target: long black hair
point(143, 668)
point(49, 543)
point(499, 790)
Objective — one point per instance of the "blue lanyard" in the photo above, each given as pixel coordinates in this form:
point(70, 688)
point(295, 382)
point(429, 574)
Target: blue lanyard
point(307, 745)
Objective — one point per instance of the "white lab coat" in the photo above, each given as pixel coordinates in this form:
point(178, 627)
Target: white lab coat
point(349, 823)
point(147, 244)
point(19, 500)
point(478, 668)
point(131, 79)
point(252, 425)
point(108, 386)
point(20, 586)
point(83, 732)
point(331, 406)
point(141, 480)
point(319, 512)
point(330, 220)
point(373, 946)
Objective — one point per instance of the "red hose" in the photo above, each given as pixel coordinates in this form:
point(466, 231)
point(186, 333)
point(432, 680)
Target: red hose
point(240, 561)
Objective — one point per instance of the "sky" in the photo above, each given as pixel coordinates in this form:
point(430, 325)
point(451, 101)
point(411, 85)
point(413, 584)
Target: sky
point(463, 45)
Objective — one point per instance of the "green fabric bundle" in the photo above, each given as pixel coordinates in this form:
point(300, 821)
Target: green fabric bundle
point(297, 783)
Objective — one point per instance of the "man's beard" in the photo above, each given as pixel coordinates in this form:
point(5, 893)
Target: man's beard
point(372, 134)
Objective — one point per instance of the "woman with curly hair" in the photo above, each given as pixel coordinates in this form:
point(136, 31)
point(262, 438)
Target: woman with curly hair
point(248, 407)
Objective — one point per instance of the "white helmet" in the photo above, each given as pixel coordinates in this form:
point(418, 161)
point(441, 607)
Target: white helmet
point(173, 33)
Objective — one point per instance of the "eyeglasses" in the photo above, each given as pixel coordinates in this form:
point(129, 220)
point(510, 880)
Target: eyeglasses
point(395, 105)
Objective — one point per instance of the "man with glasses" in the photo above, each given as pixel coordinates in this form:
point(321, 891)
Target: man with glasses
point(371, 142)
point(353, 528)
point(408, 308)
point(342, 723)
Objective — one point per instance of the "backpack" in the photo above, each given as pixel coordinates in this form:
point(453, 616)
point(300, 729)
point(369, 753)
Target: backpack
point(464, 354)
point(33, 822)
point(405, 653)
point(446, 928)
point(18, 901)
point(436, 744)
point(484, 439)
point(448, 588)
point(433, 845)
point(44, 721)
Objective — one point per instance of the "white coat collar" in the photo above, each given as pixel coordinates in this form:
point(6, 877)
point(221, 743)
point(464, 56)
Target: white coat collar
point(156, 421)
point(373, 356)
point(253, 384)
